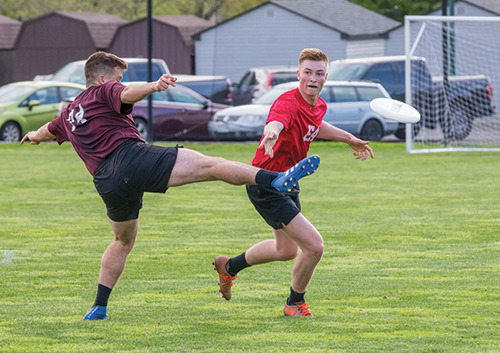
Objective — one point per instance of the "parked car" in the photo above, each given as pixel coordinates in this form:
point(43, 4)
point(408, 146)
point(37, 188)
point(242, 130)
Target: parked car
point(179, 113)
point(25, 106)
point(469, 97)
point(216, 88)
point(348, 108)
point(137, 71)
point(259, 79)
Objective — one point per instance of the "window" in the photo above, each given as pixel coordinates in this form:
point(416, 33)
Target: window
point(45, 96)
point(381, 73)
point(69, 92)
point(367, 94)
point(247, 80)
point(283, 77)
point(179, 96)
point(345, 94)
point(326, 94)
point(139, 72)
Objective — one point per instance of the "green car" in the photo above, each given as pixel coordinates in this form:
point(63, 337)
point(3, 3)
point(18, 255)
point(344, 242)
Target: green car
point(25, 106)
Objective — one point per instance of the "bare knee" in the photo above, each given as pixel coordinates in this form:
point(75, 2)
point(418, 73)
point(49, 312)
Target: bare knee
point(288, 253)
point(315, 251)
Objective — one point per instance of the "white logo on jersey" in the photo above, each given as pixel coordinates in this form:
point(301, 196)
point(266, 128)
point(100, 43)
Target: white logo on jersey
point(311, 134)
point(77, 119)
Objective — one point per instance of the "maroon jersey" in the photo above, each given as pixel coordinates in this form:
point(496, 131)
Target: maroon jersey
point(301, 122)
point(96, 123)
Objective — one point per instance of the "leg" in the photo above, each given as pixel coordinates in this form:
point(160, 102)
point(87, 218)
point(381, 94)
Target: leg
point(281, 248)
point(192, 167)
point(113, 260)
point(112, 265)
point(311, 244)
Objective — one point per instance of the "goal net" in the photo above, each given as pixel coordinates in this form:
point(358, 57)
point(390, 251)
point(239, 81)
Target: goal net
point(452, 77)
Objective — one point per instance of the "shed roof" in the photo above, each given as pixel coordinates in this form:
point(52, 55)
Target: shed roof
point(187, 25)
point(9, 29)
point(492, 6)
point(343, 16)
point(102, 26)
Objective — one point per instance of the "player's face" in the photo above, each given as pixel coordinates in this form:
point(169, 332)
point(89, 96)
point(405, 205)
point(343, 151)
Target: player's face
point(312, 76)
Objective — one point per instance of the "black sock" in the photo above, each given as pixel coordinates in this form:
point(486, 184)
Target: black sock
point(295, 297)
point(236, 264)
point(265, 177)
point(102, 296)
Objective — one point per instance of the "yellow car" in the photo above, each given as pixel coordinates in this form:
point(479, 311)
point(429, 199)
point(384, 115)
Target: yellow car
point(25, 106)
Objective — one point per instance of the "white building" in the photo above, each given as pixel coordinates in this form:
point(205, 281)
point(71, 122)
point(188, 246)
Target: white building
point(275, 32)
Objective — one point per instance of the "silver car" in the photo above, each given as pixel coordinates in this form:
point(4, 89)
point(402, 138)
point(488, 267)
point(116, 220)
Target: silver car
point(348, 109)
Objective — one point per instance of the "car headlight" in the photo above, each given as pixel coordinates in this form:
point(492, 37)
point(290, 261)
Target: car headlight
point(253, 118)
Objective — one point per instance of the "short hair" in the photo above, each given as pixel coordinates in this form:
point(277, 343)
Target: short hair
point(101, 63)
point(313, 54)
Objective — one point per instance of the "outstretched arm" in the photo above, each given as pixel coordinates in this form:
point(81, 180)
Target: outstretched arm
point(360, 147)
point(136, 92)
point(35, 137)
point(271, 134)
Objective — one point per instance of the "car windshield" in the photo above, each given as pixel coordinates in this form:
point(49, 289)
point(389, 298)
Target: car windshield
point(270, 96)
point(11, 93)
point(73, 72)
point(346, 72)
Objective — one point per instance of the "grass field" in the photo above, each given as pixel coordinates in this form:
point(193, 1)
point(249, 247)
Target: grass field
point(410, 265)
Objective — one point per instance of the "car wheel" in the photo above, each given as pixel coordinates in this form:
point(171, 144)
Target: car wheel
point(10, 132)
point(372, 131)
point(458, 126)
point(142, 127)
point(401, 131)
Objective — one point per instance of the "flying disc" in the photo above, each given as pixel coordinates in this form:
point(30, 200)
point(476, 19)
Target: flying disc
point(395, 110)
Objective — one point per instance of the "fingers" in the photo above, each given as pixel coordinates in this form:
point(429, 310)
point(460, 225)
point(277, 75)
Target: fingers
point(164, 81)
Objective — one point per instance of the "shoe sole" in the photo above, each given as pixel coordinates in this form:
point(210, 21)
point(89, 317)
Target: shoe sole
point(289, 179)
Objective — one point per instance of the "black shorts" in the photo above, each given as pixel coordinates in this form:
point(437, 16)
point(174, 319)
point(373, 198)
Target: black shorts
point(277, 208)
point(132, 169)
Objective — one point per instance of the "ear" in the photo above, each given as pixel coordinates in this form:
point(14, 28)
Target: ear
point(101, 80)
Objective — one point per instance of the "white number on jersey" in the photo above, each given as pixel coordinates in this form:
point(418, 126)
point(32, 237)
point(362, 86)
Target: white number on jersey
point(77, 119)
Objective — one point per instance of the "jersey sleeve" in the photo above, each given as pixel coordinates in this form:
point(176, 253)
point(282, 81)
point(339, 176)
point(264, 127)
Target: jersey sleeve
point(111, 95)
point(56, 128)
point(281, 111)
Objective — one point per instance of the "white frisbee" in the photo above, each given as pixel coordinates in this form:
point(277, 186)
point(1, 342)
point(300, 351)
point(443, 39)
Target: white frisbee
point(395, 110)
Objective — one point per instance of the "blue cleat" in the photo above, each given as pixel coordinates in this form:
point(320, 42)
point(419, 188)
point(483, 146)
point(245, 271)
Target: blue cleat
point(96, 313)
point(287, 180)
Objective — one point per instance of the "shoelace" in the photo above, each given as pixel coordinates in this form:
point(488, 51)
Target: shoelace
point(303, 308)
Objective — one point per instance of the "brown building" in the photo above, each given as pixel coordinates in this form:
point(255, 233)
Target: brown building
point(9, 29)
point(171, 40)
point(48, 42)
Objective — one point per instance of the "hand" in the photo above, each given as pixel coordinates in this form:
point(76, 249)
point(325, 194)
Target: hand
point(31, 136)
point(268, 142)
point(361, 148)
point(164, 81)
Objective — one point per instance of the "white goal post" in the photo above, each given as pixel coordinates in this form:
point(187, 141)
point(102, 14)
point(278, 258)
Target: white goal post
point(452, 76)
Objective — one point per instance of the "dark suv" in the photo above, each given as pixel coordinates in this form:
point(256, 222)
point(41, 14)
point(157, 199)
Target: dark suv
point(216, 88)
point(257, 80)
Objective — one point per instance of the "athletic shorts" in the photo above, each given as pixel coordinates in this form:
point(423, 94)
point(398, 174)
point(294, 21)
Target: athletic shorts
point(276, 207)
point(132, 169)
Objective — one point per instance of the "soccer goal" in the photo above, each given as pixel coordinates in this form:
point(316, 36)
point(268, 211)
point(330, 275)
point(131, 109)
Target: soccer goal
point(452, 76)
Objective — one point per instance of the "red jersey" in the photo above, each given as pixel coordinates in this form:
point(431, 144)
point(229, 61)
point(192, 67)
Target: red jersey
point(301, 122)
point(96, 123)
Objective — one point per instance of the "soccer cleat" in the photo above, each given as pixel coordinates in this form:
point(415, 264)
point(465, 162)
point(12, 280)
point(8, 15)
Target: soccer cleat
point(96, 313)
point(286, 180)
point(225, 279)
point(298, 309)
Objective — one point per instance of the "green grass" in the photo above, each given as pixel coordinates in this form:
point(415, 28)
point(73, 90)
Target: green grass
point(410, 265)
